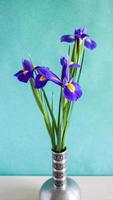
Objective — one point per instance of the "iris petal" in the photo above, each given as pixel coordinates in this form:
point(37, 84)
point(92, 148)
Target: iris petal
point(23, 77)
point(67, 38)
point(18, 73)
point(63, 61)
point(27, 65)
point(49, 75)
point(80, 33)
point(73, 64)
point(90, 44)
point(65, 68)
point(39, 83)
point(67, 64)
point(72, 95)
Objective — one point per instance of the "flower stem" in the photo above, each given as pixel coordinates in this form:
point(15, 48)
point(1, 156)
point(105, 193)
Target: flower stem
point(59, 124)
point(42, 109)
point(76, 53)
point(50, 110)
point(79, 75)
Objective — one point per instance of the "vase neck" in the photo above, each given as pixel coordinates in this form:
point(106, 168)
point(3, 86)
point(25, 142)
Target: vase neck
point(59, 169)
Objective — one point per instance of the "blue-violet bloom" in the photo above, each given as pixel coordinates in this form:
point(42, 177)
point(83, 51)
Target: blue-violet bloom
point(81, 35)
point(45, 75)
point(26, 73)
point(67, 64)
point(71, 90)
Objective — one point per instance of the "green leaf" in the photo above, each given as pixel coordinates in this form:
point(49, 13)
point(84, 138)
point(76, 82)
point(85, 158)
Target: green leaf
point(63, 145)
point(41, 106)
point(53, 128)
point(59, 135)
point(50, 110)
point(65, 110)
point(37, 96)
point(52, 131)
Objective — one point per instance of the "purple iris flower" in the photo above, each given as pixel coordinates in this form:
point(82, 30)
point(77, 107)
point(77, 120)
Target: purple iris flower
point(67, 64)
point(81, 35)
point(71, 90)
point(26, 73)
point(45, 75)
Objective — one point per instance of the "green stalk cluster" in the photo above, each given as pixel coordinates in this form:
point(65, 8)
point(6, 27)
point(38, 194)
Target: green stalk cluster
point(57, 128)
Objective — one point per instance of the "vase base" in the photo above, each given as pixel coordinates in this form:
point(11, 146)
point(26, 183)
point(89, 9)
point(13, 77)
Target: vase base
point(70, 192)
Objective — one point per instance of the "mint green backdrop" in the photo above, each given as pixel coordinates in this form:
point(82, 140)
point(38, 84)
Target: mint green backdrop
point(34, 27)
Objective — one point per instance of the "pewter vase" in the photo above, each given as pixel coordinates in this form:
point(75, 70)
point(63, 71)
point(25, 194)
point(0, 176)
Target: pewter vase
point(59, 187)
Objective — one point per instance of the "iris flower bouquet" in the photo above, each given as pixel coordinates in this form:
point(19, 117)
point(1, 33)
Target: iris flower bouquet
point(68, 83)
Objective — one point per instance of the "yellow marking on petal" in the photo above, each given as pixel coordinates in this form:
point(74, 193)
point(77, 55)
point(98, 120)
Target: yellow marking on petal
point(25, 72)
point(42, 78)
point(71, 87)
point(71, 62)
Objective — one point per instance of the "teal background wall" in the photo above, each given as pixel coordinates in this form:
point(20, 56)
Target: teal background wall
point(34, 27)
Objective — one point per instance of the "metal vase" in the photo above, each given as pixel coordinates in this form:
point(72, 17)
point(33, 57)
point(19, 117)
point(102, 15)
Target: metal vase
point(59, 187)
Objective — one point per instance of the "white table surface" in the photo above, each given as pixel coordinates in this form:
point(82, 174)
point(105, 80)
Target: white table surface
point(27, 187)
